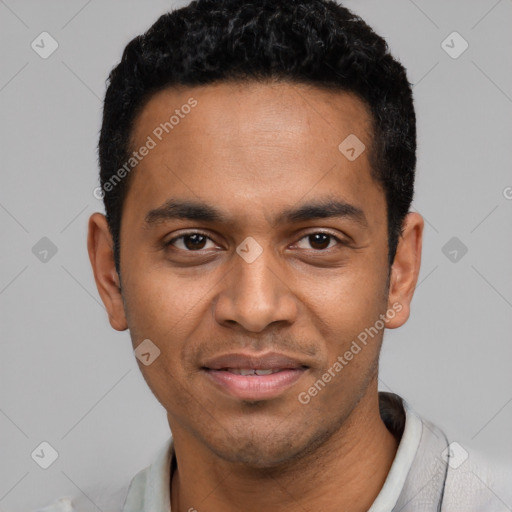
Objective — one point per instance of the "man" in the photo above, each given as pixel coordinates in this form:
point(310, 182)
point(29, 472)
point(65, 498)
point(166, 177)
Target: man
point(257, 165)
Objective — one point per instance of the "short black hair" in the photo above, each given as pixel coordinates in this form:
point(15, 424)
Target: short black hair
point(315, 42)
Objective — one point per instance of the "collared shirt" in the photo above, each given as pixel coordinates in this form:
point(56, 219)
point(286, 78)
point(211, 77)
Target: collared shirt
point(427, 475)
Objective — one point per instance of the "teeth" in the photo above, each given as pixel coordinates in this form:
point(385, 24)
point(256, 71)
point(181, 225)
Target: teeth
point(250, 371)
point(265, 372)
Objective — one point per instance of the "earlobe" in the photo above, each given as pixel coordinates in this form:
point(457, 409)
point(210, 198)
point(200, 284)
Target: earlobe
point(405, 270)
point(101, 255)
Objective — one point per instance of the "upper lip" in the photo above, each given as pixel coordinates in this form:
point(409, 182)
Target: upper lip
point(267, 361)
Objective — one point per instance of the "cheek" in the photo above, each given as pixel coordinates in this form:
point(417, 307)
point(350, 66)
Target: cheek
point(162, 309)
point(347, 302)
point(345, 312)
point(152, 309)
point(161, 306)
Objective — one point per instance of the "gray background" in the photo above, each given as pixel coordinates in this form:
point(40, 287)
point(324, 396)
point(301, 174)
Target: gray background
point(67, 378)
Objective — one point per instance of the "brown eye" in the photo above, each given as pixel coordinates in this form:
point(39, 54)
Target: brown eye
point(190, 242)
point(193, 242)
point(318, 241)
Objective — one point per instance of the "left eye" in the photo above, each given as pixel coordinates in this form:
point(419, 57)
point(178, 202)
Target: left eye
point(319, 241)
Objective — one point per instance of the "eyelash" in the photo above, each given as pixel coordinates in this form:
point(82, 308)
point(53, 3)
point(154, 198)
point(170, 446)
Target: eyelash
point(191, 233)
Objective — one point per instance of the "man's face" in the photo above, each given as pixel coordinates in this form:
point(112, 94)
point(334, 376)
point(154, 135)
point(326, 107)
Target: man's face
point(253, 153)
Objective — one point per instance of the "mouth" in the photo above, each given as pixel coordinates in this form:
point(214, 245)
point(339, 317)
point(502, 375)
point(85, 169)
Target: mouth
point(252, 377)
point(251, 371)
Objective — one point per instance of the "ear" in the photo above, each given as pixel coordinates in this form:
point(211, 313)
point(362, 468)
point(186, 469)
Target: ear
point(405, 270)
point(101, 254)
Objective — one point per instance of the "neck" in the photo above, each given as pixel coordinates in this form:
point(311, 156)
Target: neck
point(345, 473)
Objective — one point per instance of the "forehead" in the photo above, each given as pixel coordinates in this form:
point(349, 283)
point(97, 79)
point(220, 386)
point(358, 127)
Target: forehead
point(221, 111)
point(255, 142)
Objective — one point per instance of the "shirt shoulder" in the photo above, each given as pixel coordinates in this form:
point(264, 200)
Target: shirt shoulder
point(475, 482)
point(62, 504)
point(148, 490)
point(444, 476)
point(137, 491)
point(106, 499)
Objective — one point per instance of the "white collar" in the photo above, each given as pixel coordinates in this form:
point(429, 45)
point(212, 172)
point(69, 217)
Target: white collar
point(395, 481)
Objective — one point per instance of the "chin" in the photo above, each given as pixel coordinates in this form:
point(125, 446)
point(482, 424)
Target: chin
point(254, 457)
point(268, 448)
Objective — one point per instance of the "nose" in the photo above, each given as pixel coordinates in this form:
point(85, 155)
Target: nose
point(255, 295)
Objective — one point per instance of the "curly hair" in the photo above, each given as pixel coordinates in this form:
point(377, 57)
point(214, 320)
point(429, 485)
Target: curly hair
point(315, 42)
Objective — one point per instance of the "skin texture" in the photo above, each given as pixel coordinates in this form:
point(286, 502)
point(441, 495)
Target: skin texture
point(252, 151)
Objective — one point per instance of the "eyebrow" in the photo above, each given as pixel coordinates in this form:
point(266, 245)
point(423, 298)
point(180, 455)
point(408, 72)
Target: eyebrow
point(192, 210)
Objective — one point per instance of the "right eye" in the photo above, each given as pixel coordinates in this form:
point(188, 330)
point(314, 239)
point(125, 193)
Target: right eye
point(189, 242)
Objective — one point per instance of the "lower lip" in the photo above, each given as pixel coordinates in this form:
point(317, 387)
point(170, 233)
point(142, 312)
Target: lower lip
point(255, 387)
